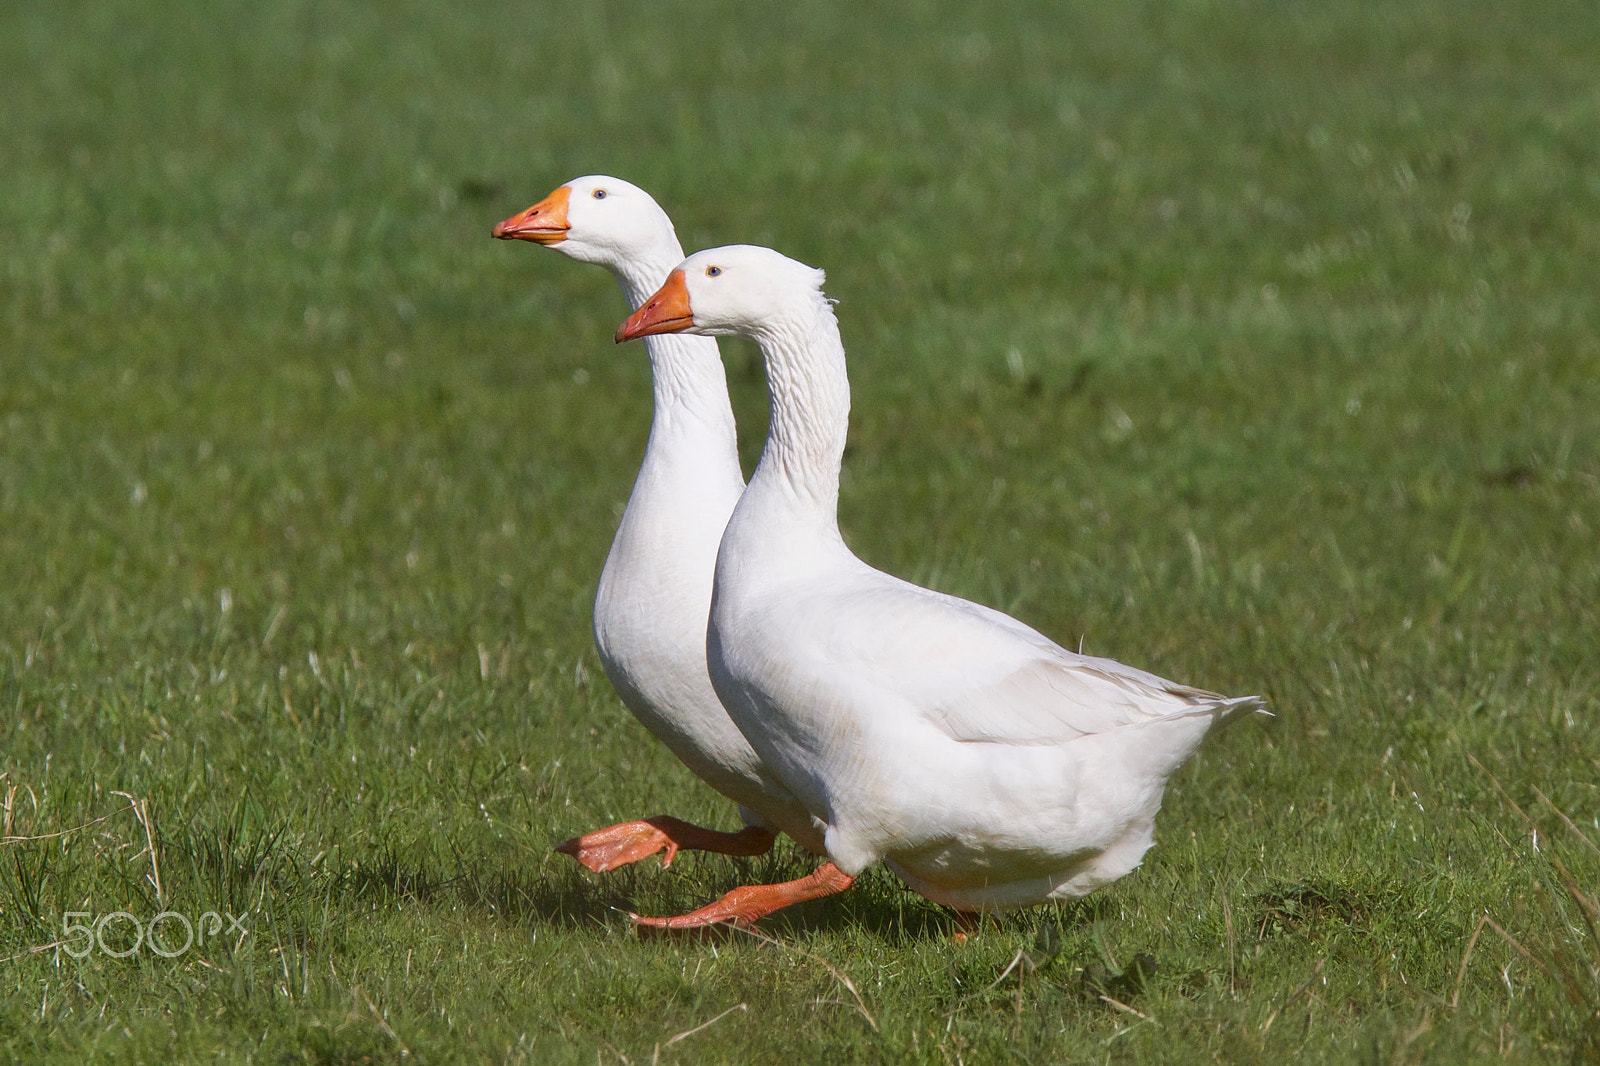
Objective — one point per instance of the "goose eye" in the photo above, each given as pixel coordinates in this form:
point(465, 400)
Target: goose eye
point(712, 272)
point(599, 194)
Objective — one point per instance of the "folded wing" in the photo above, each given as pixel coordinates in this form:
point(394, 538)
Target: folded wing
point(980, 676)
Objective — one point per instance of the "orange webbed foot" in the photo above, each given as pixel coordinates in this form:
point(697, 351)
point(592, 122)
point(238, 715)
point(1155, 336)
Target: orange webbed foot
point(751, 902)
point(619, 845)
point(628, 842)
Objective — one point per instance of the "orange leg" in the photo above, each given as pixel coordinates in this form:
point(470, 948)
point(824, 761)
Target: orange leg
point(967, 923)
point(618, 845)
point(745, 905)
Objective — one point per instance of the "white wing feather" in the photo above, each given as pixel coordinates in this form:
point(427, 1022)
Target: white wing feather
point(982, 677)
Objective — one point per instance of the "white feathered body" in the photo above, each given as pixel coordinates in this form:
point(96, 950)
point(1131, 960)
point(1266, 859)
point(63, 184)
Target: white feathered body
point(654, 596)
point(986, 765)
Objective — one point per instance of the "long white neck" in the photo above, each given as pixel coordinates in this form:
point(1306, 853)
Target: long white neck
point(810, 396)
point(691, 388)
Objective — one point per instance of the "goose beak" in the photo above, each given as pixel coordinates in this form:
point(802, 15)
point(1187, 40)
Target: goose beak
point(543, 223)
point(667, 311)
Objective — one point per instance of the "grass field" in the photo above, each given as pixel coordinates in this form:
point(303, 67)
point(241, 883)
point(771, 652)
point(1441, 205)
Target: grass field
point(1256, 344)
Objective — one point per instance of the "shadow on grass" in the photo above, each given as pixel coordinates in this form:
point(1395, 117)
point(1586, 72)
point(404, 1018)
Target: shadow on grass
point(562, 898)
point(880, 905)
point(560, 894)
point(1320, 903)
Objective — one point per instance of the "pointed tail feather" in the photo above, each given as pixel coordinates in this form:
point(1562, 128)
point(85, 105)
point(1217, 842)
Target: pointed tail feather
point(1222, 711)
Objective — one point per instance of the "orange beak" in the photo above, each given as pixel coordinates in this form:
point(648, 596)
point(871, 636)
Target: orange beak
point(667, 311)
point(543, 223)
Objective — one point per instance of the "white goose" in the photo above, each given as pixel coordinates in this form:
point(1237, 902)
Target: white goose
point(986, 765)
point(655, 590)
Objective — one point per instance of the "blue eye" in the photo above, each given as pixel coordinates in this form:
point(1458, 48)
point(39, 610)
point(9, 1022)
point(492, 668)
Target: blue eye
point(599, 194)
point(712, 272)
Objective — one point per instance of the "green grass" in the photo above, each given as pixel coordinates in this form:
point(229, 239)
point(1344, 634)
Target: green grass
point(1257, 344)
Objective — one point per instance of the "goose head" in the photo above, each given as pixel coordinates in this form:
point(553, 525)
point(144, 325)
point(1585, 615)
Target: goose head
point(740, 289)
point(595, 219)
